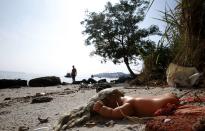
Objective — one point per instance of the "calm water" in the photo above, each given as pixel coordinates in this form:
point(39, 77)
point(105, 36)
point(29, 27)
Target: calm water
point(28, 76)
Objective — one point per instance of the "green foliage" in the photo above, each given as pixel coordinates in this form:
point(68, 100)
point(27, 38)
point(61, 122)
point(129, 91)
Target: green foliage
point(115, 34)
point(185, 32)
point(155, 63)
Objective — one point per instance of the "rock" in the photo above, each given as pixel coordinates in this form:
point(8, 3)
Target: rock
point(91, 81)
point(123, 79)
point(77, 82)
point(41, 99)
point(68, 75)
point(7, 98)
point(102, 86)
point(64, 83)
point(7, 83)
point(180, 76)
point(83, 85)
point(84, 81)
point(102, 81)
point(45, 81)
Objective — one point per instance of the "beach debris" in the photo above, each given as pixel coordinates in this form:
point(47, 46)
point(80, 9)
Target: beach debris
point(135, 128)
point(167, 120)
point(23, 128)
point(40, 94)
point(67, 89)
point(102, 86)
point(87, 86)
point(4, 104)
point(84, 86)
point(43, 120)
point(5, 112)
point(110, 123)
point(90, 124)
point(7, 98)
point(59, 86)
point(42, 129)
point(41, 99)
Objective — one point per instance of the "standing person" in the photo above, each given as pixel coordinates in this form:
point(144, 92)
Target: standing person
point(73, 73)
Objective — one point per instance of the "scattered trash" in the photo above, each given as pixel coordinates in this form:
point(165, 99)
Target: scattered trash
point(135, 128)
point(40, 94)
point(23, 128)
point(41, 99)
point(42, 129)
point(41, 120)
point(90, 124)
point(166, 120)
point(110, 123)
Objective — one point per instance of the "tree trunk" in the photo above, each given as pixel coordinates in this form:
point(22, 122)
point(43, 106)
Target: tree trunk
point(128, 67)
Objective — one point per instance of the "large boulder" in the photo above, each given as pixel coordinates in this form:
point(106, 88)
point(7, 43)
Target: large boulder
point(45, 81)
point(182, 76)
point(9, 83)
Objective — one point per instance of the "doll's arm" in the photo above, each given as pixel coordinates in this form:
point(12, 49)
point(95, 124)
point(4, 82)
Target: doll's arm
point(116, 113)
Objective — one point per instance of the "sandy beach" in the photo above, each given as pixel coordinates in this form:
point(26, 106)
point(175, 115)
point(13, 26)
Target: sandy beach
point(16, 109)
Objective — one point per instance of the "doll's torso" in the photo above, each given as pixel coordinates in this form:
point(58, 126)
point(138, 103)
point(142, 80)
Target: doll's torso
point(146, 106)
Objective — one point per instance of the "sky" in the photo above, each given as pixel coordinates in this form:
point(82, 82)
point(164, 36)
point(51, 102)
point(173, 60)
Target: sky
point(45, 36)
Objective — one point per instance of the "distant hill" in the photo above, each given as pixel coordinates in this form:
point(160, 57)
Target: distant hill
point(111, 75)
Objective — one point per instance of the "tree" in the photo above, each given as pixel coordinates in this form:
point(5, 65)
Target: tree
point(115, 34)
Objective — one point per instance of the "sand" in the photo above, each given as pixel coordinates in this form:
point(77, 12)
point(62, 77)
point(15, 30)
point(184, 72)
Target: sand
point(18, 111)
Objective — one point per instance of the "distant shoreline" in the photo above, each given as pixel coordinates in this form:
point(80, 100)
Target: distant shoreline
point(29, 76)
